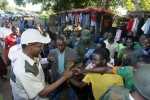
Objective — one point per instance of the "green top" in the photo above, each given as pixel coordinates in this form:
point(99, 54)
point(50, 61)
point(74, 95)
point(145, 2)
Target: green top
point(137, 45)
point(121, 47)
point(1, 98)
point(127, 73)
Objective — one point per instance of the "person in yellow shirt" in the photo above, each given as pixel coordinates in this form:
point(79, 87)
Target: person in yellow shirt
point(101, 82)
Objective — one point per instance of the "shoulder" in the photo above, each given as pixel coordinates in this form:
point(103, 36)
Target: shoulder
point(92, 75)
point(18, 66)
point(52, 51)
point(112, 76)
point(14, 51)
point(70, 49)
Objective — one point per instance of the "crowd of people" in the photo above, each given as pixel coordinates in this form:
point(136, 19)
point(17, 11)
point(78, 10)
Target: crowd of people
point(75, 64)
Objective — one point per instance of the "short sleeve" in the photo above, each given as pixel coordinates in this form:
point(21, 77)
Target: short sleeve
point(32, 85)
point(86, 79)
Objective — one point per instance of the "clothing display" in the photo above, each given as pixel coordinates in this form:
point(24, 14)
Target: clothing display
point(85, 19)
point(93, 20)
point(118, 35)
point(135, 25)
point(129, 25)
point(146, 27)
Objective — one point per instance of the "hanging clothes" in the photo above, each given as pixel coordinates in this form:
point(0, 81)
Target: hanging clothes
point(146, 27)
point(98, 23)
point(135, 25)
point(87, 20)
point(129, 25)
point(93, 20)
point(77, 18)
point(80, 18)
point(118, 35)
point(141, 23)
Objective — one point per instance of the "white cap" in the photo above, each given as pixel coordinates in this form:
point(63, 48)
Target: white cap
point(33, 35)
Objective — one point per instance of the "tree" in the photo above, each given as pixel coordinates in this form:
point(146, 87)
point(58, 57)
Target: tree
point(60, 5)
point(3, 4)
point(145, 5)
point(20, 2)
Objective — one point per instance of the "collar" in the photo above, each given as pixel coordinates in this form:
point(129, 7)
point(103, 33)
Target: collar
point(28, 59)
point(60, 52)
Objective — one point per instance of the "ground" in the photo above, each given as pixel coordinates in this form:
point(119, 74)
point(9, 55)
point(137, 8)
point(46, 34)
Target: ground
point(5, 89)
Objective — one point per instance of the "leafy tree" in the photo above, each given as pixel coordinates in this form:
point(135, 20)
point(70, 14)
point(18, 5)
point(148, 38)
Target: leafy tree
point(129, 5)
point(145, 5)
point(60, 5)
point(3, 4)
point(20, 2)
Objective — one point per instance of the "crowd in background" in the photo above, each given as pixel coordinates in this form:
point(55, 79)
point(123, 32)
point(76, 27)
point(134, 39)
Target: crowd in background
point(104, 60)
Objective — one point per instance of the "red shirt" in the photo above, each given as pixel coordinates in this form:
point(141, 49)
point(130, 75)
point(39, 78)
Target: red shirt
point(130, 25)
point(10, 40)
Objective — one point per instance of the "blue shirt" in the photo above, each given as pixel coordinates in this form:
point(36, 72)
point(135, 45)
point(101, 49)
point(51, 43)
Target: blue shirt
point(61, 62)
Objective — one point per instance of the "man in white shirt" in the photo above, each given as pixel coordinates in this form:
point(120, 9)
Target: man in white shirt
point(111, 46)
point(27, 77)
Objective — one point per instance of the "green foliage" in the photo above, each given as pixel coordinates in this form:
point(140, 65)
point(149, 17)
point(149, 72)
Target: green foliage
point(60, 5)
point(3, 4)
point(19, 2)
point(145, 5)
point(129, 5)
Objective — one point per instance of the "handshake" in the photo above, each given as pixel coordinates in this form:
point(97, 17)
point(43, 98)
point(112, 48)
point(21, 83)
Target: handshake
point(71, 72)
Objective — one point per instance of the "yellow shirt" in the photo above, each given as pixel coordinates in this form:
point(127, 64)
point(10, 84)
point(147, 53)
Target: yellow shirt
point(102, 82)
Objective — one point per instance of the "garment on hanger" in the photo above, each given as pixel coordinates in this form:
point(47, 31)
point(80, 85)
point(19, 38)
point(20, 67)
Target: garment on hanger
point(129, 25)
point(146, 27)
point(135, 25)
point(118, 35)
point(93, 20)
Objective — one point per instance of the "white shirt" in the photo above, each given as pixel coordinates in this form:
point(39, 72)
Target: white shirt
point(4, 32)
point(146, 26)
point(112, 50)
point(27, 85)
point(130, 97)
point(135, 25)
point(14, 51)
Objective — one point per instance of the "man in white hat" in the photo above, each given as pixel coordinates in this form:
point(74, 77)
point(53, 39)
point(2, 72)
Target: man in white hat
point(27, 77)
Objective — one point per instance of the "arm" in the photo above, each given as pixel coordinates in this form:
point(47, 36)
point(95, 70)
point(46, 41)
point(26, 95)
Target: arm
point(52, 87)
point(100, 70)
point(67, 75)
point(77, 83)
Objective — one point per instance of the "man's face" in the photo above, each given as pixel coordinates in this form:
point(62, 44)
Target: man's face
point(110, 36)
point(129, 43)
point(142, 38)
point(16, 31)
point(36, 49)
point(97, 60)
point(146, 43)
point(61, 45)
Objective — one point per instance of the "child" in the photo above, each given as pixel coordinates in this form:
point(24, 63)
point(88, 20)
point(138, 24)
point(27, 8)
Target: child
point(101, 82)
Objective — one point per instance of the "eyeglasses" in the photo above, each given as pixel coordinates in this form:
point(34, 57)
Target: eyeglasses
point(38, 45)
